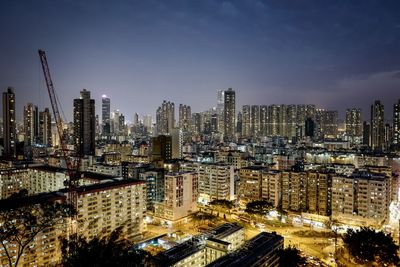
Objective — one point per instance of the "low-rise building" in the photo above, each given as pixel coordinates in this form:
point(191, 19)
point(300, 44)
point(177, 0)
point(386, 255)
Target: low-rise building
point(261, 250)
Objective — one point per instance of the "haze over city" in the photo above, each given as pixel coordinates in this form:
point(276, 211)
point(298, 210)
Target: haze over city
point(335, 54)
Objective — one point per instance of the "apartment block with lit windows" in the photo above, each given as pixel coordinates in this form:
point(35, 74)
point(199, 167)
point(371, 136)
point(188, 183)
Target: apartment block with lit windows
point(363, 194)
point(180, 199)
point(105, 206)
point(251, 182)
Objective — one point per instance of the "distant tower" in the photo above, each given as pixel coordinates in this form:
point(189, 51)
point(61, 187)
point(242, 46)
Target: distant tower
point(309, 127)
point(185, 116)
point(354, 124)
point(377, 125)
point(31, 123)
point(396, 123)
point(263, 120)
point(135, 119)
point(45, 127)
point(366, 133)
point(105, 115)
point(9, 129)
point(121, 124)
point(147, 122)
point(165, 119)
point(255, 120)
point(84, 124)
point(229, 114)
point(246, 121)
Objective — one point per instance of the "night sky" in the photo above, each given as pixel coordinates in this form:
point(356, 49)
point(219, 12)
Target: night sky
point(335, 54)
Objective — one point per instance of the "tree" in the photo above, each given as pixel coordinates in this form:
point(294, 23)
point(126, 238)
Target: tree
point(223, 203)
point(200, 217)
point(367, 246)
point(112, 250)
point(22, 219)
point(260, 207)
point(290, 257)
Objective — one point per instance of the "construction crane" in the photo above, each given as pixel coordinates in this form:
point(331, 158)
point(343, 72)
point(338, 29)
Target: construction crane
point(72, 168)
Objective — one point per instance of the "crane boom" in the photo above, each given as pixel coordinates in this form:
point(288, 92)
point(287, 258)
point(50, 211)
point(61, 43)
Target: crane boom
point(72, 169)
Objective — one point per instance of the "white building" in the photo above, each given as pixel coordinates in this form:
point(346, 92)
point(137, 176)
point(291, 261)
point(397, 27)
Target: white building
point(180, 197)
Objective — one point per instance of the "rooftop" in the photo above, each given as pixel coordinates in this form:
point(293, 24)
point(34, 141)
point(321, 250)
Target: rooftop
point(251, 252)
point(225, 230)
point(179, 252)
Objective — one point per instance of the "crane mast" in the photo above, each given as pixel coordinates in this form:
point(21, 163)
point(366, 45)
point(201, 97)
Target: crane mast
point(72, 169)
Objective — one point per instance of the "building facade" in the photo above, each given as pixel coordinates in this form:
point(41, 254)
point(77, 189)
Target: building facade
point(84, 124)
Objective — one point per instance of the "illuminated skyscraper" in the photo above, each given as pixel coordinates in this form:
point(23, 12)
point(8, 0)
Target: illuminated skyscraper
point(255, 120)
point(396, 123)
point(229, 114)
point(84, 124)
point(354, 124)
point(185, 116)
point(31, 124)
point(105, 115)
point(9, 129)
point(165, 117)
point(377, 125)
point(246, 121)
point(45, 127)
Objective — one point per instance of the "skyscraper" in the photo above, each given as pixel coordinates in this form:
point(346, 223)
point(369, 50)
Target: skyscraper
point(377, 125)
point(147, 122)
point(84, 124)
point(45, 127)
point(105, 115)
point(165, 117)
point(135, 119)
point(31, 123)
point(9, 129)
point(185, 116)
point(255, 120)
point(354, 124)
point(396, 123)
point(229, 114)
point(327, 123)
point(246, 121)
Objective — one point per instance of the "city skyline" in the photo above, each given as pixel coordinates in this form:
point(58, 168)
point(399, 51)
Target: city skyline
point(335, 56)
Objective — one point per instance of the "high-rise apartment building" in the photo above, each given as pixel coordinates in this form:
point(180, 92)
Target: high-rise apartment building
point(327, 123)
point(251, 182)
point(165, 117)
point(294, 186)
point(229, 114)
point(185, 116)
point(255, 120)
point(216, 181)
point(263, 120)
point(147, 122)
point(45, 137)
point(396, 123)
point(354, 124)
point(362, 194)
point(246, 121)
point(105, 115)
point(84, 124)
point(9, 124)
point(31, 125)
point(377, 130)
